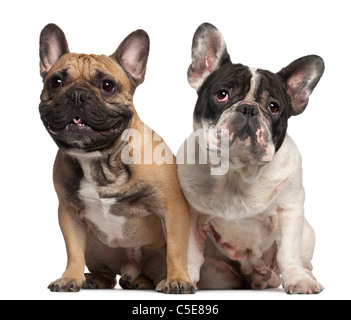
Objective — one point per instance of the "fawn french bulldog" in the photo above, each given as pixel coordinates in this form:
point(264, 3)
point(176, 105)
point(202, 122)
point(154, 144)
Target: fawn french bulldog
point(117, 217)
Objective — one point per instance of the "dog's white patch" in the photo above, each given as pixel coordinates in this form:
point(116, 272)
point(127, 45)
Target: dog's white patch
point(254, 83)
point(106, 226)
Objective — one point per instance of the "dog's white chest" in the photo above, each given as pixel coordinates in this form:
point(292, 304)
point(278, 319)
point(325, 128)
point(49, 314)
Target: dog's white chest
point(109, 228)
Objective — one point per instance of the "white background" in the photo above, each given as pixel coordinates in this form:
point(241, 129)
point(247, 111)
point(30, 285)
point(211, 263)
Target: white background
point(265, 34)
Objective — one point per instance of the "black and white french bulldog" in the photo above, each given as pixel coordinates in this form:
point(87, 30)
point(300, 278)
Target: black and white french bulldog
point(247, 225)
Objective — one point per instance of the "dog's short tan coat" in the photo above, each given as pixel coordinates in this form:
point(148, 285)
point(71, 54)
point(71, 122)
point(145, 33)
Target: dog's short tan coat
point(117, 219)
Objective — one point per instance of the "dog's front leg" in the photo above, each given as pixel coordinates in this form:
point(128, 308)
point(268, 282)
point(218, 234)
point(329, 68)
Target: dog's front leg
point(176, 224)
point(74, 233)
point(295, 278)
point(196, 247)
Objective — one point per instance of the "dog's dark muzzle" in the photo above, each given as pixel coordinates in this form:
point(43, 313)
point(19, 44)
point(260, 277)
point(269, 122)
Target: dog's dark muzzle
point(81, 120)
point(246, 121)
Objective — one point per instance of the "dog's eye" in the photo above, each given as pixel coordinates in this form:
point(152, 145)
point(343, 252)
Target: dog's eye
point(222, 95)
point(273, 107)
point(56, 83)
point(107, 85)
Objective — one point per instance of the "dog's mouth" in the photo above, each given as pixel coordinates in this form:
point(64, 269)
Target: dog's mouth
point(81, 134)
point(256, 141)
point(244, 136)
point(78, 124)
point(252, 142)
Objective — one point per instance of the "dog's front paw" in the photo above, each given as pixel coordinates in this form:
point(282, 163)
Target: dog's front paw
point(176, 287)
point(299, 282)
point(306, 286)
point(66, 285)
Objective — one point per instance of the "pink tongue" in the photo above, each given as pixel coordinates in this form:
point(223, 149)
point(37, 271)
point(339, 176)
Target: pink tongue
point(77, 121)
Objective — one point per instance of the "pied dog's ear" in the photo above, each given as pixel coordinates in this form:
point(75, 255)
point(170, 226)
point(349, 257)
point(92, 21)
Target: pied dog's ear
point(300, 78)
point(209, 53)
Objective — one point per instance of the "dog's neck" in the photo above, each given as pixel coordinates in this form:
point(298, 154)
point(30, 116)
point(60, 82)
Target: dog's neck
point(250, 171)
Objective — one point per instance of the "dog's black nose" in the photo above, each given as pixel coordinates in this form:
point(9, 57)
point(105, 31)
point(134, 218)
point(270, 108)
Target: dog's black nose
point(78, 95)
point(249, 110)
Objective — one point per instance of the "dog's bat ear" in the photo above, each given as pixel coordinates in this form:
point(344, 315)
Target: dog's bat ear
point(209, 53)
point(301, 77)
point(53, 45)
point(132, 54)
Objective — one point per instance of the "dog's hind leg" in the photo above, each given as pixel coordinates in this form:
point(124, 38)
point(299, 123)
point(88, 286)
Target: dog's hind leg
point(140, 283)
point(98, 280)
point(218, 272)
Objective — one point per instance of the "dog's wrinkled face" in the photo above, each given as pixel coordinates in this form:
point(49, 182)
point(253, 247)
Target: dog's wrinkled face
point(87, 102)
point(252, 105)
point(84, 105)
